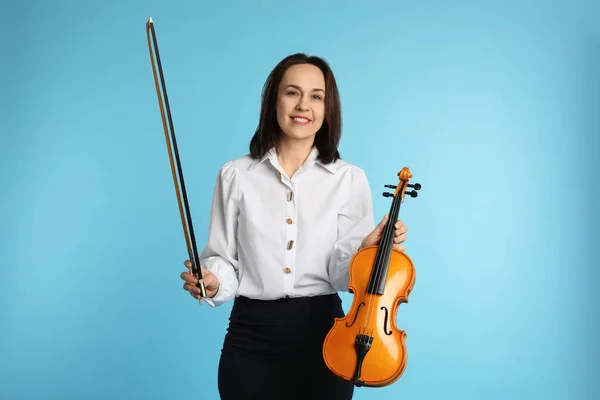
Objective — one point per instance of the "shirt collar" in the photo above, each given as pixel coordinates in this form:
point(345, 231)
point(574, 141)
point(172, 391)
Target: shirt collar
point(312, 159)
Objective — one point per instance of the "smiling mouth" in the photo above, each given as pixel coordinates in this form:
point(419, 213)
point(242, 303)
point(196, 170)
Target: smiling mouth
point(301, 120)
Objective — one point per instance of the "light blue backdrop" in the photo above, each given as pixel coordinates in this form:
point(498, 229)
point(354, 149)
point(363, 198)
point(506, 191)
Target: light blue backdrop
point(495, 107)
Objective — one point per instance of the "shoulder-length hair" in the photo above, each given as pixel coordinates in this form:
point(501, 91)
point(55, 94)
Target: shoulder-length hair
point(327, 137)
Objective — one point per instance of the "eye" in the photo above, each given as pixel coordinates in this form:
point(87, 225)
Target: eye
point(318, 97)
point(292, 92)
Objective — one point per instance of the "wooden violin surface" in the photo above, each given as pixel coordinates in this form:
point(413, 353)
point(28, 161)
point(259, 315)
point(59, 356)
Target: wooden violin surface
point(365, 346)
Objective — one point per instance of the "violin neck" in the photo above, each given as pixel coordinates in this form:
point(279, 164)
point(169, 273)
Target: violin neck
point(384, 252)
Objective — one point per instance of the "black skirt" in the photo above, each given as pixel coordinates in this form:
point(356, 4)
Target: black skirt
point(273, 350)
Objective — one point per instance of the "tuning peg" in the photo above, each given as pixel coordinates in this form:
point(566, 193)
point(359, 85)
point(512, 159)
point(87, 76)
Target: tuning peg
point(412, 193)
point(386, 194)
point(416, 186)
point(390, 186)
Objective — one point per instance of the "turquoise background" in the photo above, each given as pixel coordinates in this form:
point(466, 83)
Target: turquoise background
point(494, 106)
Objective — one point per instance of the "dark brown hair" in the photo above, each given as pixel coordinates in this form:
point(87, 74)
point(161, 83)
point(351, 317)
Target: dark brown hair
point(268, 131)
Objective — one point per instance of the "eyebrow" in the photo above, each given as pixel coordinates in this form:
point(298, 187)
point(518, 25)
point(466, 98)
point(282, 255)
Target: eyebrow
point(299, 88)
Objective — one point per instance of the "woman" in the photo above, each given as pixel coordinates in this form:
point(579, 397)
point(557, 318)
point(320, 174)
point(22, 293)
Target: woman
point(286, 220)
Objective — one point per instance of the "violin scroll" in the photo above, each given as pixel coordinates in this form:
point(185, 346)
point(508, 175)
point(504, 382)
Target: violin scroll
point(400, 190)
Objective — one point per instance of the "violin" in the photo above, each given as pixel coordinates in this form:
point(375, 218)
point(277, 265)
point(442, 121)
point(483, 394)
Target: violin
point(365, 346)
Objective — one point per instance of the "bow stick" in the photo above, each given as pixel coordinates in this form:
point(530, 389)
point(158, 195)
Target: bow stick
point(189, 236)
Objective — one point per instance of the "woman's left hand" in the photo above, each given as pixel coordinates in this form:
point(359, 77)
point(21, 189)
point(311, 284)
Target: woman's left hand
point(374, 237)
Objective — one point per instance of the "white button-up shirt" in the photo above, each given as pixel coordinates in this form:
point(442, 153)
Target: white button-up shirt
point(272, 236)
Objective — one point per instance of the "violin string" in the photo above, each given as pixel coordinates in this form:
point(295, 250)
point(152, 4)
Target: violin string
point(367, 318)
point(387, 236)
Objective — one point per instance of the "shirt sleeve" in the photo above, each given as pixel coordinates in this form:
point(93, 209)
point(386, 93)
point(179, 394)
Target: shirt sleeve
point(220, 254)
point(355, 222)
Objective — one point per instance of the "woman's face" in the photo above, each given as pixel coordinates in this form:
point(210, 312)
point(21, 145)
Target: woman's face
point(301, 101)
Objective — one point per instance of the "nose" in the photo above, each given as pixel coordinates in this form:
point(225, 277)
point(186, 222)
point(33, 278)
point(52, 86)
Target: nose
point(302, 104)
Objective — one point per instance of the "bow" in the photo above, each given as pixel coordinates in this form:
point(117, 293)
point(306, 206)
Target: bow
point(188, 228)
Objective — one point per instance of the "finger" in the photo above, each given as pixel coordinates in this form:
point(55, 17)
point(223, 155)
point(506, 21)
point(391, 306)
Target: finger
point(188, 277)
point(195, 291)
point(400, 239)
point(399, 224)
point(401, 230)
point(192, 288)
point(188, 264)
point(399, 247)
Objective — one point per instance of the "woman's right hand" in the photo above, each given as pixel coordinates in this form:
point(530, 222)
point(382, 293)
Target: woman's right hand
point(211, 283)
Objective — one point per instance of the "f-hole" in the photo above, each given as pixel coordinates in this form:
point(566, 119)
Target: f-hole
point(385, 321)
point(362, 303)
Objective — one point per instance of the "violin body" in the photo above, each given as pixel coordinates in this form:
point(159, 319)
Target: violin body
point(385, 360)
point(365, 346)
